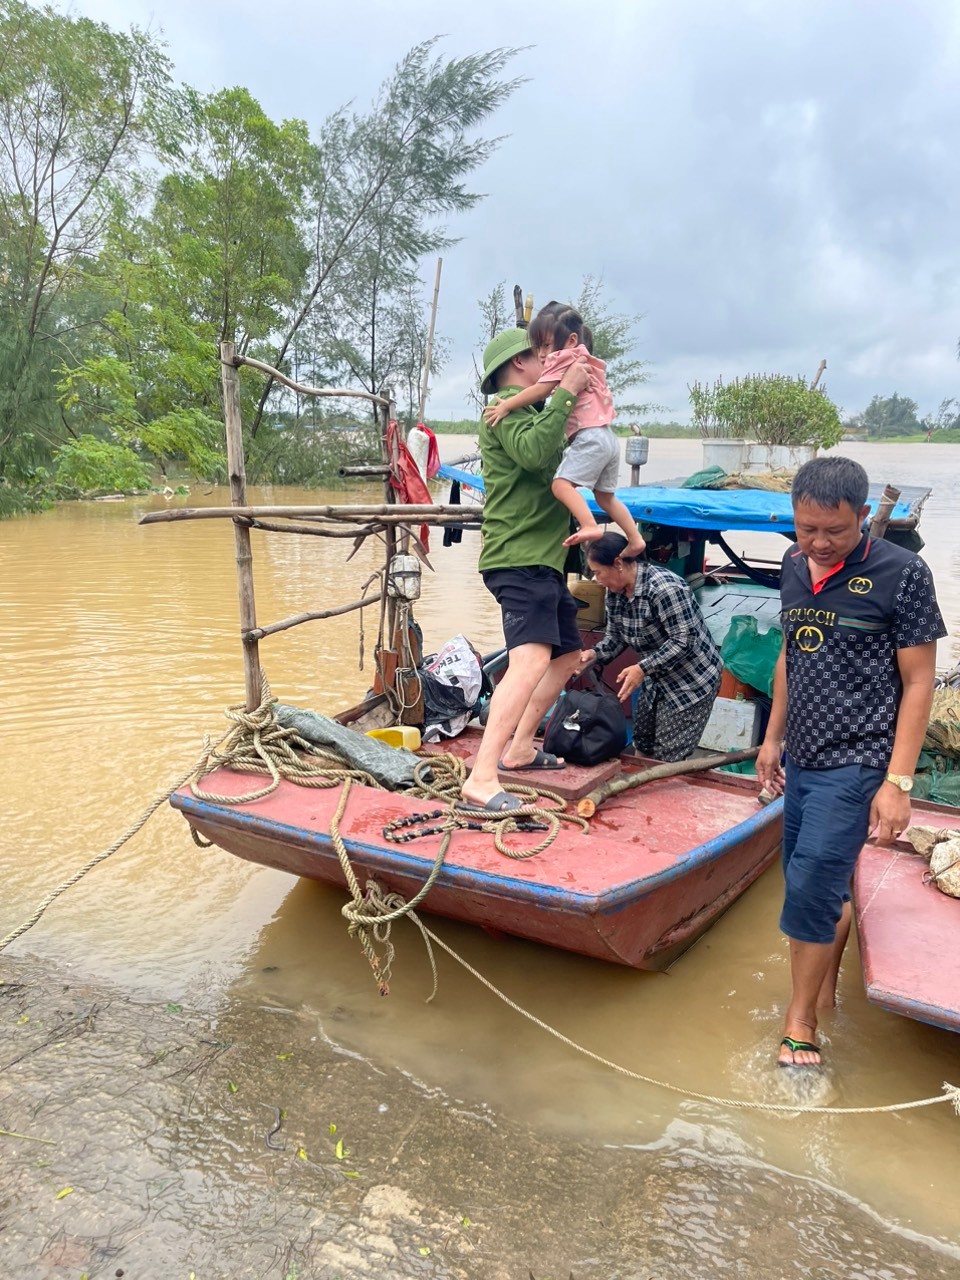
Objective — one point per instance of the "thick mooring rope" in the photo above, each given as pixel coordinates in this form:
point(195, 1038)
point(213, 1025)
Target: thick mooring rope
point(95, 861)
point(951, 1093)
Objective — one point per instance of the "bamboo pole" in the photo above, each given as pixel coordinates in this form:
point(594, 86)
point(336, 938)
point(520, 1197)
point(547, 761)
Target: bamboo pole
point(317, 530)
point(589, 804)
point(259, 632)
point(888, 500)
point(332, 392)
point(411, 512)
point(241, 530)
point(385, 655)
point(373, 469)
point(428, 356)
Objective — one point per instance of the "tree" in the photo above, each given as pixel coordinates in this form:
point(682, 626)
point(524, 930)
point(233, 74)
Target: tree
point(946, 418)
point(385, 177)
point(494, 316)
point(614, 342)
point(78, 102)
point(894, 415)
point(218, 257)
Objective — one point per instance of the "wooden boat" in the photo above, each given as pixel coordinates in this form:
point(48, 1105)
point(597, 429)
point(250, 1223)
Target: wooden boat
point(909, 930)
point(658, 865)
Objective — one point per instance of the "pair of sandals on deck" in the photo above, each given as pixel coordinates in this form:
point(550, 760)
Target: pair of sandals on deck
point(503, 801)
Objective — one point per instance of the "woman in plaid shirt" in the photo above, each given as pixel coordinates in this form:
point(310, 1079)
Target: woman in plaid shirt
point(652, 611)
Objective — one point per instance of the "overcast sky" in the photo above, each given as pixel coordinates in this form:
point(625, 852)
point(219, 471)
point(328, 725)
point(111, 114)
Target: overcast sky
point(768, 182)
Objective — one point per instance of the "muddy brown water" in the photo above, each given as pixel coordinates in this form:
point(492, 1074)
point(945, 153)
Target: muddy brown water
point(119, 650)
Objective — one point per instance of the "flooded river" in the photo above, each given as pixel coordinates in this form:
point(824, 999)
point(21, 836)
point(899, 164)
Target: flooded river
point(119, 650)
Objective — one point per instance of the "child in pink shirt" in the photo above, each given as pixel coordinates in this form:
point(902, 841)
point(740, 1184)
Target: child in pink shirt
point(592, 457)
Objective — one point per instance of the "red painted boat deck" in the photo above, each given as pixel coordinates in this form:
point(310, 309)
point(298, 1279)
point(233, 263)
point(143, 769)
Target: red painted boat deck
point(632, 836)
point(909, 931)
point(656, 866)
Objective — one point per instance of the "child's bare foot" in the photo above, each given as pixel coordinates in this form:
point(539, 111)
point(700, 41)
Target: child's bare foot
point(586, 533)
point(635, 546)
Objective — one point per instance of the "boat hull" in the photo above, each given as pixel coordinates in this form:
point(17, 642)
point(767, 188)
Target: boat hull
point(909, 931)
point(657, 867)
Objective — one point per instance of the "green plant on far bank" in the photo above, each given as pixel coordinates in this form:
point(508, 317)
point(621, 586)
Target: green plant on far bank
point(460, 427)
point(936, 437)
point(771, 409)
point(661, 431)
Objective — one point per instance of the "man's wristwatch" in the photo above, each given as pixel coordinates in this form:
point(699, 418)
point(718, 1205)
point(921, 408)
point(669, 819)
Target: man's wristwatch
point(901, 780)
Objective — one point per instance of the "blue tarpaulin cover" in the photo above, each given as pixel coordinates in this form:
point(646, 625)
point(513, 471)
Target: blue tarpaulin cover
point(752, 510)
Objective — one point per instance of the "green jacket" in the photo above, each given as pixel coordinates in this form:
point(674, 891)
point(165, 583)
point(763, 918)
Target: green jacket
point(523, 523)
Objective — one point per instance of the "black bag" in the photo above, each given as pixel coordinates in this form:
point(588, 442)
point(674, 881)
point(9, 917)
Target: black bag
point(587, 726)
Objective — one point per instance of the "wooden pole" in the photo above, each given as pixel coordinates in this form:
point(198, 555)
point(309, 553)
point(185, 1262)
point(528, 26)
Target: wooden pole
point(888, 500)
point(417, 512)
point(385, 657)
point(518, 307)
point(429, 352)
point(589, 804)
point(241, 530)
point(372, 469)
point(818, 375)
point(260, 632)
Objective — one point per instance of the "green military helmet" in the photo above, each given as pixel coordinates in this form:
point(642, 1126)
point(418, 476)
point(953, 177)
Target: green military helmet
point(504, 347)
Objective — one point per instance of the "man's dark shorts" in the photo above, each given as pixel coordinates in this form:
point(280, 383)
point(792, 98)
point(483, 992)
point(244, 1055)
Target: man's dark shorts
point(537, 608)
point(826, 816)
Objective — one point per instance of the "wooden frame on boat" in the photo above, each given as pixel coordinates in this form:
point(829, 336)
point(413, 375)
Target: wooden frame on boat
point(655, 868)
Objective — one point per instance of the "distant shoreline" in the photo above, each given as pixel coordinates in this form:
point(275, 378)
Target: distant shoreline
point(679, 431)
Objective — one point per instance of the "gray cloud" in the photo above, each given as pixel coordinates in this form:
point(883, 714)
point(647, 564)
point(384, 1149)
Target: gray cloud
point(768, 183)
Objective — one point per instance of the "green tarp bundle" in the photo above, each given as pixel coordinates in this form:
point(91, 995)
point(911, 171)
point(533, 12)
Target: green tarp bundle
point(751, 654)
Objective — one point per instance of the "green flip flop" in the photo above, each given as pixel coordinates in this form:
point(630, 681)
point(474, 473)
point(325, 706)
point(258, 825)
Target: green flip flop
point(801, 1046)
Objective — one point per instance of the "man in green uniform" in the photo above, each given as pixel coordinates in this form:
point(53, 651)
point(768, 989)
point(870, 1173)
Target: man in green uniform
point(522, 565)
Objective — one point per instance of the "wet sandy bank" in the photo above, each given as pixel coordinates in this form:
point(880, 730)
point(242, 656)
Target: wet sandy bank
point(156, 1118)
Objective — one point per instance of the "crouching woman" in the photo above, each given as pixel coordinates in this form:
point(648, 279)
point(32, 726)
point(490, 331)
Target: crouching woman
point(677, 674)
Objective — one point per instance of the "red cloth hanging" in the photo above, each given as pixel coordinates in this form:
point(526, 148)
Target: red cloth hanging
point(405, 478)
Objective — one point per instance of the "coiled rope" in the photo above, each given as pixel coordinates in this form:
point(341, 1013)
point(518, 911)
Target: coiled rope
point(257, 743)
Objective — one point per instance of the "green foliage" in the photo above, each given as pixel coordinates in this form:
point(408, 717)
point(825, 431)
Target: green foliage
point(305, 453)
point(886, 416)
point(494, 316)
point(946, 418)
point(78, 103)
point(227, 219)
point(89, 465)
point(614, 341)
point(453, 427)
point(119, 278)
point(769, 408)
point(383, 180)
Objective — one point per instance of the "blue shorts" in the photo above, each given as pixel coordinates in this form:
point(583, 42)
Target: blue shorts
point(826, 814)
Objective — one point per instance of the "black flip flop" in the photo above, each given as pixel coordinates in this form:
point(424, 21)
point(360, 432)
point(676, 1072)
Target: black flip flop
point(801, 1046)
point(501, 802)
point(542, 760)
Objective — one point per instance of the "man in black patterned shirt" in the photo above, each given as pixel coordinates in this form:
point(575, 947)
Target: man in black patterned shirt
point(851, 701)
point(653, 612)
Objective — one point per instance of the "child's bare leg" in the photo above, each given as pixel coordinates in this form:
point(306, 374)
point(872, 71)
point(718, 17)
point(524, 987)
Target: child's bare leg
point(566, 491)
point(622, 518)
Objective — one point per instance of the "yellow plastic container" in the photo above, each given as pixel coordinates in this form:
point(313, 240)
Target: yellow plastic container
point(400, 735)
